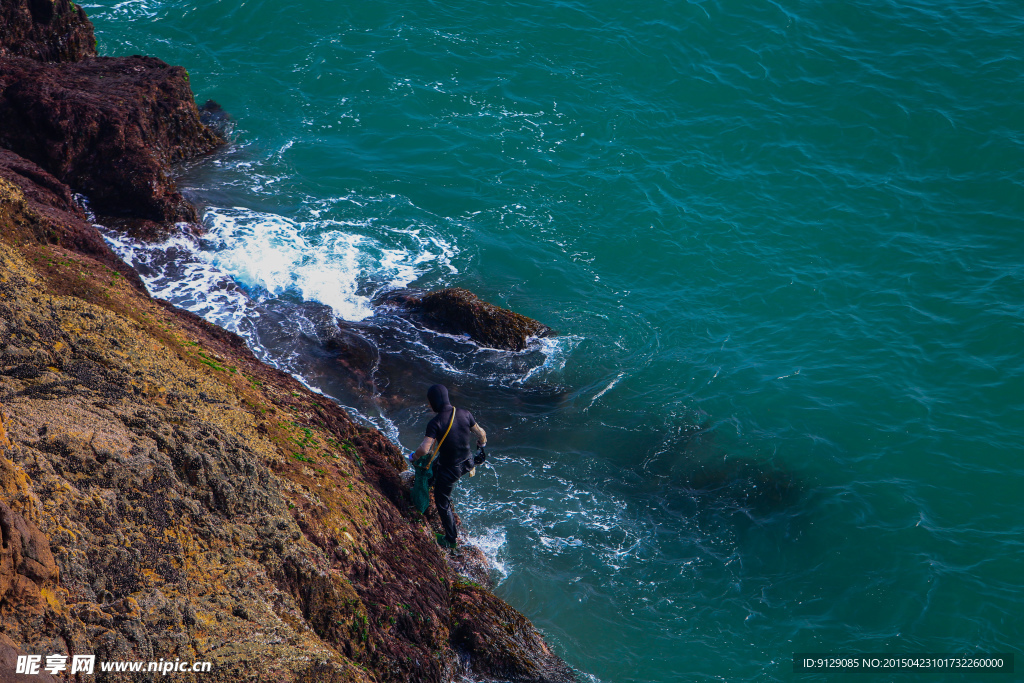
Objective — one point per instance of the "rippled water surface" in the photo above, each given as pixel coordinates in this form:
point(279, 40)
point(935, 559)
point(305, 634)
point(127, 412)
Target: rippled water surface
point(781, 242)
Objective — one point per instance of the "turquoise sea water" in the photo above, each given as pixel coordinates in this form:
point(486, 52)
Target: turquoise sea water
point(781, 242)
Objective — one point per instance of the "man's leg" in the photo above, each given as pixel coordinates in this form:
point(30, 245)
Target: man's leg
point(444, 484)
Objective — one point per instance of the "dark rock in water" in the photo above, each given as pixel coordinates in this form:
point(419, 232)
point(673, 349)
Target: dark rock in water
point(356, 354)
point(459, 311)
point(215, 118)
point(109, 128)
point(45, 30)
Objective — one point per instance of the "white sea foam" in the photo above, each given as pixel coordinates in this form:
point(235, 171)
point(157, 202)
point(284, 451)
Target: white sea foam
point(491, 543)
point(127, 10)
point(604, 391)
point(326, 261)
point(565, 519)
point(269, 253)
point(178, 271)
point(556, 352)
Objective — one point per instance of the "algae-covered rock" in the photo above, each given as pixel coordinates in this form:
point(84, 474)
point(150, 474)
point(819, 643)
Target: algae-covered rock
point(45, 30)
point(501, 643)
point(460, 311)
point(107, 127)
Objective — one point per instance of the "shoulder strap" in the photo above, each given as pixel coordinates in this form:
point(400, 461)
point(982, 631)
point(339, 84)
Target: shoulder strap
point(438, 448)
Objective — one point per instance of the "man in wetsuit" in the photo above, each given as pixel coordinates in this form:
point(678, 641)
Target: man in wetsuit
point(455, 457)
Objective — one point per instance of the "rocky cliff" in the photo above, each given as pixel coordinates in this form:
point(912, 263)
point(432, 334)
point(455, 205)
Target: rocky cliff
point(46, 30)
point(163, 495)
point(108, 128)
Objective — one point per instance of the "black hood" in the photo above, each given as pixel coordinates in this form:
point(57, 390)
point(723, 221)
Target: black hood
point(438, 397)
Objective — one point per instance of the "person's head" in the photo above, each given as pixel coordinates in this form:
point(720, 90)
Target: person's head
point(438, 397)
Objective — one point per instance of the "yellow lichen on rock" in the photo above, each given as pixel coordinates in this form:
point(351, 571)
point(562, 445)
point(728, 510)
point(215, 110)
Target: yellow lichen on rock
point(159, 510)
point(197, 504)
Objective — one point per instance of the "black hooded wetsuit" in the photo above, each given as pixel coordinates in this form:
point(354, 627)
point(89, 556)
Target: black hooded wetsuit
point(455, 457)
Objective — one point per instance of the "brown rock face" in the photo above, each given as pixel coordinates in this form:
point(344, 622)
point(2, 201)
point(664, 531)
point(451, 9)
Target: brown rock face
point(9, 663)
point(45, 30)
point(200, 505)
point(500, 642)
point(459, 311)
point(108, 127)
point(35, 206)
point(26, 566)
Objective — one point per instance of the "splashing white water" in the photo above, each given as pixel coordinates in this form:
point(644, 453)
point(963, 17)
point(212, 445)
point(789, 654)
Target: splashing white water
point(556, 352)
point(178, 271)
point(491, 542)
point(324, 260)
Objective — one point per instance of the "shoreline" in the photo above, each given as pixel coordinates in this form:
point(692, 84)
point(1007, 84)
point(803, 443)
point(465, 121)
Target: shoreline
point(171, 496)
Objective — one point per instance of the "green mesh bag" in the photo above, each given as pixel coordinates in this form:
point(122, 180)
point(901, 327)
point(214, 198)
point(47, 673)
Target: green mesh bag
point(421, 486)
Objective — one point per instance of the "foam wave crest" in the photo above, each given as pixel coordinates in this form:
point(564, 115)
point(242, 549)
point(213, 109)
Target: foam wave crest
point(491, 542)
point(178, 271)
point(325, 261)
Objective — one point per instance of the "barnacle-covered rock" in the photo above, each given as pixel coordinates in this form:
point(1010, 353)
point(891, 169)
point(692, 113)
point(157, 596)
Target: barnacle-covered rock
point(460, 311)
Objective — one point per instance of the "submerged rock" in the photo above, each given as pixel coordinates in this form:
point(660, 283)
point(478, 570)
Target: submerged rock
point(108, 127)
point(216, 119)
point(45, 30)
point(761, 486)
point(460, 311)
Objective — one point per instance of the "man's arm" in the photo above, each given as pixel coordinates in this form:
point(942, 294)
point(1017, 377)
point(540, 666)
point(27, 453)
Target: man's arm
point(481, 435)
point(425, 446)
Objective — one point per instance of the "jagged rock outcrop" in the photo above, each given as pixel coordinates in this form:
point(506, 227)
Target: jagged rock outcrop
point(200, 505)
point(109, 128)
point(45, 30)
point(460, 311)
